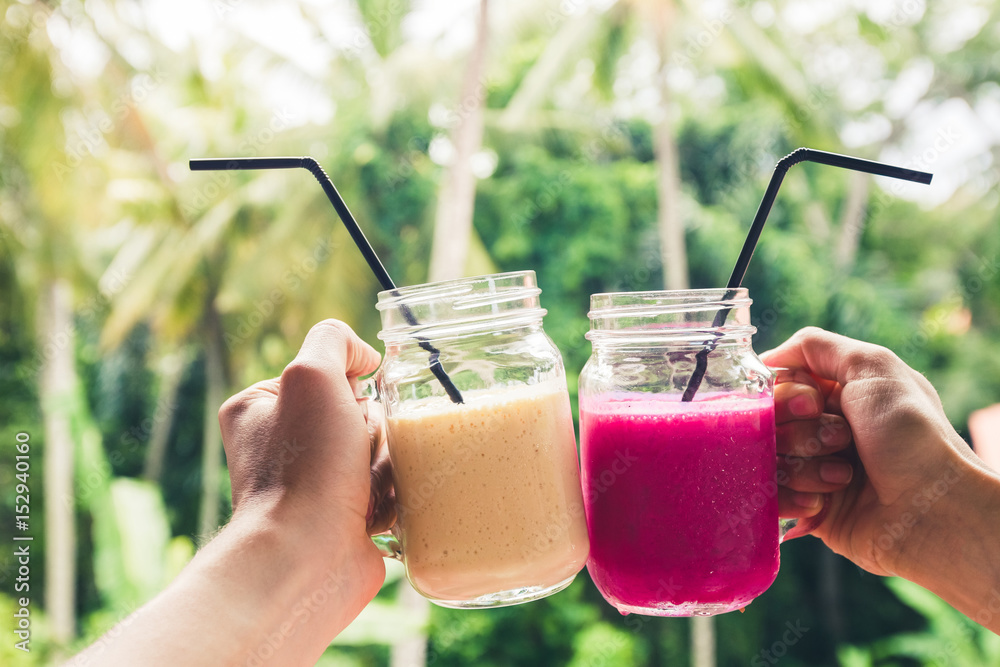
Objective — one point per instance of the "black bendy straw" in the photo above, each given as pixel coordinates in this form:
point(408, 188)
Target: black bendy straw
point(310, 164)
point(740, 270)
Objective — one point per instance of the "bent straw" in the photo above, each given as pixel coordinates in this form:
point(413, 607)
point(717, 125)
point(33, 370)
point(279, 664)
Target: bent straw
point(739, 271)
point(310, 164)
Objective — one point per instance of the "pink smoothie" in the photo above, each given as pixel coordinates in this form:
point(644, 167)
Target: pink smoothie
point(681, 502)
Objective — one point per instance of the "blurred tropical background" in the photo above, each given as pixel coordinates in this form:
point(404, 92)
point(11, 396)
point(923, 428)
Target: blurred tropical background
point(606, 145)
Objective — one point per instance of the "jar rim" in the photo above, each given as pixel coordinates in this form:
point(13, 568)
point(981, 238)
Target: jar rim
point(653, 302)
point(452, 308)
point(670, 317)
point(454, 288)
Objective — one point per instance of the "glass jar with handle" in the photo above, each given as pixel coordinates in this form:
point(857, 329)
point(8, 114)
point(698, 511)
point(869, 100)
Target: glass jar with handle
point(488, 494)
point(681, 495)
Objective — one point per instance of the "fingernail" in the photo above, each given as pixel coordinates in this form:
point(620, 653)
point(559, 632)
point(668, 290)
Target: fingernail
point(807, 500)
point(803, 405)
point(828, 433)
point(836, 473)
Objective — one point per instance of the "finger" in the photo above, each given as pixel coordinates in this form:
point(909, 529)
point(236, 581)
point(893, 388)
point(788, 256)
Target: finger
point(828, 390)
point(796, 400)
point(254, 402)
point(263, 389)
point(375, 416)
point(833, 357)
point(833, 400)
point(814, 437)
point(330, 354)
point(807, 524)
point(820, 475)
point(333, 345)
point(382, 501)
point(798, 505)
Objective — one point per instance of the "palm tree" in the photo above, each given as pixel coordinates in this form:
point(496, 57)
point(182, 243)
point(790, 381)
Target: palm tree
point(44, 265)
point(453, 220)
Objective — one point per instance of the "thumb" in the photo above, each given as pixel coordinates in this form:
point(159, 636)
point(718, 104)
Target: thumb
point(831, 357)
point(330, 355)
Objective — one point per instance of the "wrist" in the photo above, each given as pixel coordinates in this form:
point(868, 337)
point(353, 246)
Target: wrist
point(312, 577)
point(953, 548)
point(310, 540)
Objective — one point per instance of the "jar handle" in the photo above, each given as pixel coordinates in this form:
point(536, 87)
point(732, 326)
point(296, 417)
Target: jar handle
point(389, 546)
point(388, 543)
point(786, 526)
point(789, 529)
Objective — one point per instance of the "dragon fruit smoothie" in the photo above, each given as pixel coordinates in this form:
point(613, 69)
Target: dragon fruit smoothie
point(680, 500)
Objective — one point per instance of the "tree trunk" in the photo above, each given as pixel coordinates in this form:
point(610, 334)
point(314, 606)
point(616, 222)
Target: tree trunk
point(536, 86)
point(411, 652)
point(702, 641)
point(831, 595)
point(673, 253)
point(852, 222)
point(211, 453)
point(58, 378)
point(449, 257)
point(453, 219)
point(172, 371)
point(670, 223)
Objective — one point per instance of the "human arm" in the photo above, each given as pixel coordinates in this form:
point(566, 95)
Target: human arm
point(294, 565)
point(920, 505)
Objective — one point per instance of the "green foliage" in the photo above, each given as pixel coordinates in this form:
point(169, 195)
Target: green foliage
point(41, 647)
point(545, 632)
point(604, 644)
point(574, 197)
point(949, 637)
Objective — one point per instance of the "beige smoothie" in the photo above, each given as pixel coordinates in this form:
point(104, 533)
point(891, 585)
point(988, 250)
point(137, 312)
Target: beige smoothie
point(489, 492)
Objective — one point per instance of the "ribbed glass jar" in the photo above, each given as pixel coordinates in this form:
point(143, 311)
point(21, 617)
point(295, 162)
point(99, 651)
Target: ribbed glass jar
point(680, 494)
point(490, 510)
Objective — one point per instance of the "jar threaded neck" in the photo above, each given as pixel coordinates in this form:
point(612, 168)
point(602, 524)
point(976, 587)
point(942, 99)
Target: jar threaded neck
point(459, 307)
point(670, 317)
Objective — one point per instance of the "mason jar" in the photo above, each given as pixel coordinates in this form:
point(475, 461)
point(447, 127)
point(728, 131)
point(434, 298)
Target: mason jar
point(480, 434)
point(679, 476)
